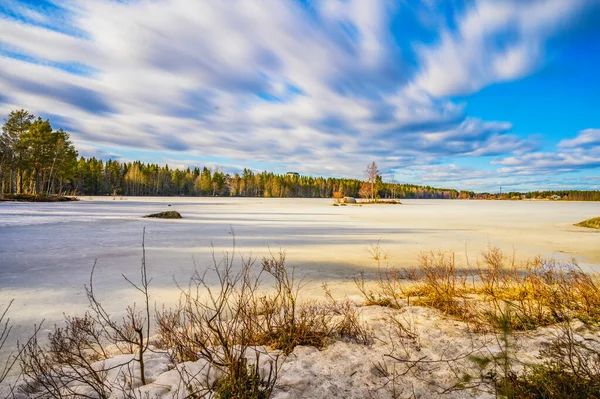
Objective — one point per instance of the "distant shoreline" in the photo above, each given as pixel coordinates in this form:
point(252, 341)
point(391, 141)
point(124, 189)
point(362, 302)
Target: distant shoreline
point(36, 198)
point(61, 198)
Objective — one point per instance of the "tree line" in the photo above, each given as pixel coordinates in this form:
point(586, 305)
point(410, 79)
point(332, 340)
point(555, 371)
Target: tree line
point(96, 177)
point(563, 195)
point(35, 159)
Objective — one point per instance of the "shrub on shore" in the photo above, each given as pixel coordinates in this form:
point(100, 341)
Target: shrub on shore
point(501, 297)
point(238, 332)
point(593, 223)
point(539, 291)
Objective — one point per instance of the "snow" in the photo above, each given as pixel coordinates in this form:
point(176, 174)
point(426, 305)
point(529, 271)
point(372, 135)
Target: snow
point(47, 251)
point(349, 370)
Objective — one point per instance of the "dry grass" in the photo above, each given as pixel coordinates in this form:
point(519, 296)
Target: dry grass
point(539, 292)
point(239, 313)
point(239, 329)
point(497, 296)
point(593, 223)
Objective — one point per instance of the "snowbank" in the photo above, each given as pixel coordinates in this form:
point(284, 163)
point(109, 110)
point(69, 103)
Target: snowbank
point(417, 352)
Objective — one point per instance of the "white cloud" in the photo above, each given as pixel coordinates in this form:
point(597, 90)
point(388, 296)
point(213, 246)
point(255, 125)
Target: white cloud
point(46, 44)
point(495, 41)
point(579, 153)
point(322, 89)
point(585, 138)
point(475, 179)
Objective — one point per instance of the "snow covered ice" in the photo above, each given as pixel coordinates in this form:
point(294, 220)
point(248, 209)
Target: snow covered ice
point(47, 249)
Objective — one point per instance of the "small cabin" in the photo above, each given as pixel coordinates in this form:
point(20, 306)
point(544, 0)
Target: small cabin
point(292, 174)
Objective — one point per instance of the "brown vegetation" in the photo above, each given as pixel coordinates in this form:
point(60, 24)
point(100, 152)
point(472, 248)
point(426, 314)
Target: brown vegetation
point(36, 198)
point(238, 331)
point(539, 291)
point(228, 326)
point(165, 215)
point(499, 297)
point(338, 196)
point(388, 202)
point(593, 223)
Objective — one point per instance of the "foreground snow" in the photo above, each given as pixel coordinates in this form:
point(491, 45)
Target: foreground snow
point(427, 358)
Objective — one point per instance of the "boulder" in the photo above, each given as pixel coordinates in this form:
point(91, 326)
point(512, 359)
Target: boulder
point(165, 215)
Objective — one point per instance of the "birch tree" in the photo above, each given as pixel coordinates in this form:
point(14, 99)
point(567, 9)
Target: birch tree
point(369, 187)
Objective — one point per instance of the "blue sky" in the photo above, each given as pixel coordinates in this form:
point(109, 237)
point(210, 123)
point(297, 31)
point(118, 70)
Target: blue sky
point(473, 94)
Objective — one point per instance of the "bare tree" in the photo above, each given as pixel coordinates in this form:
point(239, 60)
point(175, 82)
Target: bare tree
point(393, 187)
point(70, 364)
point(369, 188)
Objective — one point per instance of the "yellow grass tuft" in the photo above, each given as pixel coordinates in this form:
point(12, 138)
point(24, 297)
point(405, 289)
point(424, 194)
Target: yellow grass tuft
point(539, 292)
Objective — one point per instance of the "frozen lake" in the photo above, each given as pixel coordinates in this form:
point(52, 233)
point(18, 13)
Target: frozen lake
point(47, 250)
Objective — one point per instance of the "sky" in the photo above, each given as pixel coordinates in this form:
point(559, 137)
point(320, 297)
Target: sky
point(473, 94)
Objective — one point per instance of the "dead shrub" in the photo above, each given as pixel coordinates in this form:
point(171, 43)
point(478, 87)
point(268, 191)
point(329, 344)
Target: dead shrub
point(224, 326)
point(221, 326)
point(56, 374)
point(381, 297)
point(391, 288)
point(70, 363)
point(287, 322)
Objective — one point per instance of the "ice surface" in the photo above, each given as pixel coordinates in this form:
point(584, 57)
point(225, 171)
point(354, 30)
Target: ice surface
point(47, 249)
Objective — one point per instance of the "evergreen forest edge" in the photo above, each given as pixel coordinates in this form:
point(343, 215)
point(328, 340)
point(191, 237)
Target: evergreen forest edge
point(37, 160)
